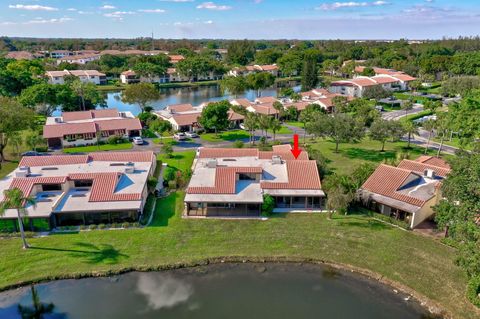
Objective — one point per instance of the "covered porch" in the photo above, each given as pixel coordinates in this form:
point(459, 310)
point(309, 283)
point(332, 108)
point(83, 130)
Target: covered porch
point(89, 218)
point(222, 210)
point(300, 203)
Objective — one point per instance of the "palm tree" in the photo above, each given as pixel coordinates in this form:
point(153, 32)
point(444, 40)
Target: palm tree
point(275, 126)
point(16, 140)
point(32, 140)
point(38, 309)
point(264, 124)
point(15, 199)
point(251, 123)
point(411, 129)
point(407, 106)
point(429, 126)
point(279, 107)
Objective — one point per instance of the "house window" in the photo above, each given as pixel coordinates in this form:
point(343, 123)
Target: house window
point(51, 187)
point(83, 183)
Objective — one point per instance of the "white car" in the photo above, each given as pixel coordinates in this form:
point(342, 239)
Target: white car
point(242, 126)
point(137, 140)
point(191, 134)
point(180, 136)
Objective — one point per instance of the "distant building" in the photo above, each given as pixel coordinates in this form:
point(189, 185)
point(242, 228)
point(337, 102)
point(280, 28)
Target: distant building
point(407, 192)
point(85, 127)
point(79, 59)
point(233, 182)
point(249, 69)
point(58, 54)
point(96, 188)
point(356, 87)
point(85, 76)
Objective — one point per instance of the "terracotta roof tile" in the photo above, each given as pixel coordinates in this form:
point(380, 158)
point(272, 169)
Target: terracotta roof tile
point(128, 124)
point(302, 174)
point(178, 108)
point(186, 119)
point(135, 157)
point(103, 187)
point(26, 184)
point(53, 160)
point(62, 129)
point(386, 180)
point(421, 167)
point(435, 161)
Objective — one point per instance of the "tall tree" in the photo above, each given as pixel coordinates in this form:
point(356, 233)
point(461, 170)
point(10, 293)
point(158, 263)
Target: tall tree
point(240, 52)
point(275, 126)
point(251, 124)
point(42, 97)
point(381, 130)
point(410, 129)
point(14, 118)
point(429, 126)
point(141, 94)
point(215, 116)
point(235, 85)
point(407, 105)
point(309, 72)
point(341, 128)
point(259, 81)
point(87, 93)
point(15, 199)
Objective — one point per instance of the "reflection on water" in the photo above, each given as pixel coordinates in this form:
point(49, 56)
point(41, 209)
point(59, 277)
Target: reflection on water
point(234, 291)
point(192, 95)
point(163, 291)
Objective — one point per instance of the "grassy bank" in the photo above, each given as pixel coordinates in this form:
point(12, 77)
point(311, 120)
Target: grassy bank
point(225, 136)
point(412, 260)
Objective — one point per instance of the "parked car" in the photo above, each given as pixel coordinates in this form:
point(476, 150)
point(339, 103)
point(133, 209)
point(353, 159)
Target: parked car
point(33, 153)
point(137, 140)
point(179, 136)
point(191, 134)
point(242, 126)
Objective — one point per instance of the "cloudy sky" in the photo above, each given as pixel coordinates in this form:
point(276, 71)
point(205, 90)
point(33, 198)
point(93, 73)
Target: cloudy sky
point(253, 19)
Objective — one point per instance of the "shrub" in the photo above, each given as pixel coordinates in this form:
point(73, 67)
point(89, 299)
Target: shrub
point(82, 227)
point(169, 174)
point(152, 182)
point(268, 204)
point(136, 224)
point(112, 140)
point(168, 150)
point(473, 290)
point(263, 140)
point(92, 227)
point(172, 184)
point(238, 144)
point(102, 226)
point(126, 225)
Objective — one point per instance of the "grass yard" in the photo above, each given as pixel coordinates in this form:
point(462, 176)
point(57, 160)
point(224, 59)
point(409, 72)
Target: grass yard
point(351, 155)
point(418, 262)
point(95, 148)
point(296, 124)
point(283, 130)
point(225, 136)
point(179, 160)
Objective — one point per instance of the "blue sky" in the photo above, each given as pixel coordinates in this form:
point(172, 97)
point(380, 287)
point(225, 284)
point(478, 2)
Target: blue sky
point(253, 19)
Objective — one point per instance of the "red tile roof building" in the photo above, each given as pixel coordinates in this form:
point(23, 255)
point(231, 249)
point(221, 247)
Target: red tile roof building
point(233, 182)
point(408, 191)
point(85, 127)
point(73, 189)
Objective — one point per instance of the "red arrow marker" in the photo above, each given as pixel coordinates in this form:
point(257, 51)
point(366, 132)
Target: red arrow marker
point(295, 151)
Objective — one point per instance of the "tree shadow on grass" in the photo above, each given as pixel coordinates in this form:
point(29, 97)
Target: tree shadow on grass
point(164, 210)
point(361, 223)
point(92, 254)
point(368, 155)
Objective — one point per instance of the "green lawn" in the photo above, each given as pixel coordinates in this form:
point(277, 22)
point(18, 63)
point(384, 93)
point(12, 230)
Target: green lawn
point(225, 136)
point(7, 168)
point(283, 130)
point(179, 160)
point(418, 262)
point(351, 155)
point(95, 148)
point(296, 124)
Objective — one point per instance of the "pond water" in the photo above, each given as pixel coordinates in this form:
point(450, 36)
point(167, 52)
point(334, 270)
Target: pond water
point(216, 291)
point(193, 95)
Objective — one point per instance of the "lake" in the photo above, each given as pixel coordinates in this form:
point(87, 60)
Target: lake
point(267, 291)
point(192, 95)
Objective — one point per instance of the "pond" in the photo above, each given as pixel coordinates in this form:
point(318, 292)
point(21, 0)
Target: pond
point(216, 291)
point(193, 95)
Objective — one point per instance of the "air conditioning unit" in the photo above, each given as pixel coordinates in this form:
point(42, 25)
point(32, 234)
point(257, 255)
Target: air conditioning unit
point(130, 168)
point(58, 120)
point(23, 171)
point(429, 173)
point(276, 159)
point(212, 163)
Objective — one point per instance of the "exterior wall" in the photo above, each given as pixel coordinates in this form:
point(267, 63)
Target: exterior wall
point(222, 210)
point(425, 212)
point(299, 203)
point(56, 80)
point(95, 79)
point(347, 90)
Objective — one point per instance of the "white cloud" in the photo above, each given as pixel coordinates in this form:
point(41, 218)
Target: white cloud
point(163, 291)
point(176, 0)
point(208, 22)
point(118, 15)
point(72, 9)
point(32, 7)
point(350, 4)
point(151, 10)
point(48, 21)
point(213, 6)
point(107, 7)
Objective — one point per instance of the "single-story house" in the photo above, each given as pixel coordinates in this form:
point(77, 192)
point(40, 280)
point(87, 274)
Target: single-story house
point(79, 58)
point(249, 69)
point(86, 127)
point(234, 182)
point(103, 187)
point(407, 192)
